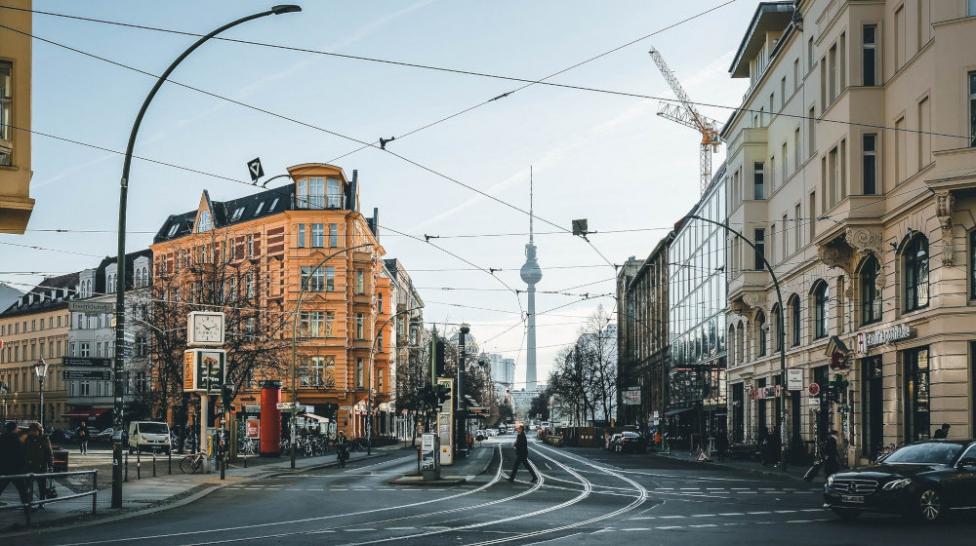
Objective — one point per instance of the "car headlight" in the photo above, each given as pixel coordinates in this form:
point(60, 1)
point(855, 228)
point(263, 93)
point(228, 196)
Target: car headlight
point(897, 484)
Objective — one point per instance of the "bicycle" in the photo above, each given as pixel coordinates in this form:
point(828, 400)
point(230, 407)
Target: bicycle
point(192, 463)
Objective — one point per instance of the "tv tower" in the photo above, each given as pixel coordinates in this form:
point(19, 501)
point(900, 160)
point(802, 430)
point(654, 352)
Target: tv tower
point(531, 273)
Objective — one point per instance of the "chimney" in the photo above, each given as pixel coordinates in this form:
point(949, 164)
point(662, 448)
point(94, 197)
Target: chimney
point(376, 223)
point(351, 192)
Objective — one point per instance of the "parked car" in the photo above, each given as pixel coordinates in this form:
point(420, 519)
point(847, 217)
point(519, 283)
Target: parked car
point(103, 436)
point(626, 441)
point(922, 480)
point(149, 436)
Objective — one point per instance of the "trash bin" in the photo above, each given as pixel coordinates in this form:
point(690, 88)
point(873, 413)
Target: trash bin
point(60, 460)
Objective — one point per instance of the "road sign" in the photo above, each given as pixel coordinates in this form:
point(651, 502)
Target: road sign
point(255, 169)
point(91, 307)
point(104, 375)
point(794, 380)
point(813, 389)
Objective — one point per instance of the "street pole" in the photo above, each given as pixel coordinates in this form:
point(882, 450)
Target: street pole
point(459, 395)
point(781, 335)
point(40, 381)
point(118, 368)
point(294, 342)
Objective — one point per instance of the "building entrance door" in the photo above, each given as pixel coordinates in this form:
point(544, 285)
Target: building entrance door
point(872, 424)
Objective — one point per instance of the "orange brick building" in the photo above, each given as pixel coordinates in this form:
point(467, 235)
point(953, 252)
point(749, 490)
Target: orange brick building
point(270, 243)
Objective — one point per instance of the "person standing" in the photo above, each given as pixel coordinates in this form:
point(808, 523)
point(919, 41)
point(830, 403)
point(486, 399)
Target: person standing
point(83, 436)
point(831, 455)
point(521, 455)
point(38, 455)
point(12, 460)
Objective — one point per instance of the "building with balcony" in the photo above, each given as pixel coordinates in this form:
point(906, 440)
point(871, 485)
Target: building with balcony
point(255, 257)
point(696, 399)
point(408, 367)
point(852, 168)
point(16, 203)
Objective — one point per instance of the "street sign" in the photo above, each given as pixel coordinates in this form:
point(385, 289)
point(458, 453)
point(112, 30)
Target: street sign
point(631, 396)
point(255, 169)
point(813, 389)
point(794, 380)
point(91, 307)
point(104, 375)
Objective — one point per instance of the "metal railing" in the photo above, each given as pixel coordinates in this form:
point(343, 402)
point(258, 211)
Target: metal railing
point(28, 482)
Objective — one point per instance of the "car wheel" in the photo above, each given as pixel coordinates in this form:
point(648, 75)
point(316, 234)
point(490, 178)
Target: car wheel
point(929, 507)
point(847, 514)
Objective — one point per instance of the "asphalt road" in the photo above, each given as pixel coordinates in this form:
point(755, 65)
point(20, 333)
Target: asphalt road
point(585, 496)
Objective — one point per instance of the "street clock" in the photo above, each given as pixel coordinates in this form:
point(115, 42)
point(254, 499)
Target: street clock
point(205, 328)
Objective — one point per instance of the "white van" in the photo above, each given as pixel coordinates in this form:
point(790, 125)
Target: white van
point(149, 436)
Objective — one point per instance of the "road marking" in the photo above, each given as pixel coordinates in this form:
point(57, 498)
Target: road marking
point(730, 514)
point(761, 512)
point(675, 516)
point(785, 511)
point(701, 525)
point(637, 529)
point(703, 515)
point(667, 527)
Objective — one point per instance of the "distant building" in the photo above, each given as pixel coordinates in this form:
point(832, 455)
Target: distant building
point(8, 295)
point(503, 376)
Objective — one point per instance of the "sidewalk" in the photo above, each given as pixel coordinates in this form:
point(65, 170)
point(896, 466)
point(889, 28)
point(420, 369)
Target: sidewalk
point(463, 470)
point(165, 491)
point(794, 472)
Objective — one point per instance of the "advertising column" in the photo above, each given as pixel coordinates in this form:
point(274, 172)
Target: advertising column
point(270, 419)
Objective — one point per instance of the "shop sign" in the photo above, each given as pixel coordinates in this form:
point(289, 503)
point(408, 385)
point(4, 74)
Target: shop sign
point(632, 396)
point(883, 336)
point(794, 380)
point(204, 370)
point(763, 393)
point(86, 361)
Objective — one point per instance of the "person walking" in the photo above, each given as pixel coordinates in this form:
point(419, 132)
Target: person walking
point(12, 460)
point(38, 455)
point(942, 433)
point(83, 436)
point(521, 455)
point(831, 455)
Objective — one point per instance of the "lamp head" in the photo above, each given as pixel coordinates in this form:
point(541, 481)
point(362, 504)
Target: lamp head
point(285, 8)
point(41, 368)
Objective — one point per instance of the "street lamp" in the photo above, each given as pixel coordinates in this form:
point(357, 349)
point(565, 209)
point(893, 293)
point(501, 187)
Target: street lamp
point(4, 391)
point(41, 370)
point(294, 340)
point(120, 264)
point(460, 427)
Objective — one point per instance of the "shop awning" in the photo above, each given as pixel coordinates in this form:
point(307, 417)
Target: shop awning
point(314, 417)
point(677, 411)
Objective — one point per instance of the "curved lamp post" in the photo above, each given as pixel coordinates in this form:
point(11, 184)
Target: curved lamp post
point(120, 292)
point(781, 334)
point(40, 369)
point(294, 341)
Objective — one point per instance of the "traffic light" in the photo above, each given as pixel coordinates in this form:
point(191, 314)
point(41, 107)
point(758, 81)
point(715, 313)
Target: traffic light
point(227, 395)
point(439, 366)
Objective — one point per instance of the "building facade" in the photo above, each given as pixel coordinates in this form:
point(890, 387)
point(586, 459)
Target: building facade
point(264, 249)
point(503, 376)
point(36, 327)
point(854, 175)
point(696, 316)
point(16, 203)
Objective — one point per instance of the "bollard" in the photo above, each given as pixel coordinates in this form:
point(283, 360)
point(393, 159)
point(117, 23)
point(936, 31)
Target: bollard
point(169, 460)
point(154, 463)
point(30, 498)
point(94, 491)
point(138, 464)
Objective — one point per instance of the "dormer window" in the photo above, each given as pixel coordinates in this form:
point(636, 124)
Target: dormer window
point(206, 222)
point(259, 209)
point(311, 193)
point(237, 214)
point(172, 230)
point(273, 204)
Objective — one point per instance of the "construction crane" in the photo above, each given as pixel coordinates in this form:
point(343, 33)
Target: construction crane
point(686, 114)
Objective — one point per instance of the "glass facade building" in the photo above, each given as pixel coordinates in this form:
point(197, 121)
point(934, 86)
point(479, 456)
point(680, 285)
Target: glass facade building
point(697, 292)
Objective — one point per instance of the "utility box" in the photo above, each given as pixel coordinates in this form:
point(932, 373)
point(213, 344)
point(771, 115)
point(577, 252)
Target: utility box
point(430, 465)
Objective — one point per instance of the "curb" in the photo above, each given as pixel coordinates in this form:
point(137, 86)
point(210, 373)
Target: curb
point(723, 466)
point(181, 499)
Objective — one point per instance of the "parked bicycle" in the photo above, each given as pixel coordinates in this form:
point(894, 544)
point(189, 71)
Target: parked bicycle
point(192, 463)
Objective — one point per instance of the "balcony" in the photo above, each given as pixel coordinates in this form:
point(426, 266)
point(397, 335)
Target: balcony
point(747, 281)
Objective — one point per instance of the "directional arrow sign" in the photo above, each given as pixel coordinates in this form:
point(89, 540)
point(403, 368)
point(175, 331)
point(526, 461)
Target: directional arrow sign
point(254, 166)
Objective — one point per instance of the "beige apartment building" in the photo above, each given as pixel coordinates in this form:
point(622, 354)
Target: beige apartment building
point(852, 166)
point(15, 119)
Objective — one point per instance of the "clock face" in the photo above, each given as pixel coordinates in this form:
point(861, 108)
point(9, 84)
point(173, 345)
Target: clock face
point(207, 329)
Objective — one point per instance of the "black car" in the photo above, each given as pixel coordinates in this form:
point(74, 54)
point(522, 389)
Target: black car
point(922, 480)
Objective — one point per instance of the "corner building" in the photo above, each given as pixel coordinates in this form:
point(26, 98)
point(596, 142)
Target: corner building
point(269, 244)
point(852, 165)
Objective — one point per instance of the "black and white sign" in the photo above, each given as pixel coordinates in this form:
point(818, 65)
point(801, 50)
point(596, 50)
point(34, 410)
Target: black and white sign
point(794, 379)
point(91, 307)
point(883, 336)
point(87, 361)
point(104, 375)
point(255, 168)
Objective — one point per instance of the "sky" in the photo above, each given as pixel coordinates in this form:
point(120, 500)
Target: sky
point(602, 157)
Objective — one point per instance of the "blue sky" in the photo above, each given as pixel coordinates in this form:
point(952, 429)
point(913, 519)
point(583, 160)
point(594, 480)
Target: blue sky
point(606, 158)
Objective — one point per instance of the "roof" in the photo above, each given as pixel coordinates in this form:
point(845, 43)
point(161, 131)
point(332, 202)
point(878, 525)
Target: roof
point(226, 213)
point(769, 16)
point(64, 283)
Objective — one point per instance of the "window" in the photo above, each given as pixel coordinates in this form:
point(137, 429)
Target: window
point(301, 235)
point(870, 295)
point(832, 67)
point(259, 209)
point(759, 239)
point(316, 372)
point(810, 54)
point(6, 110)
point(206, 222)
point(85, 349)
point(775, 316)
point(237, 214)
point(917, 397)
point(843, 61)
point(360, 281)
point(869, 164)
point(820, 310)
point(900, 41)
point(972, 269)
point(972, 108)
point(796, 149)
point(772, 244)
point(811, 133)
point(318, 235)
point(772, 173)
point(971, 8)
point(172, 229)
point(311, 193)
point(925, 133)
point(785, 164)
point(916, 263)
point(335, 193)
point(379, 341)
point(797, 234)
point(359, 373)
point(795, 321)
point(312, 324)
point(761, 334)
point(782, 234)
point(360, 326)
point(782, 93)
point(330, 279)
point(842, 172)
point(313, 280)
point(333, 235)
point(758, 191)
point(796, 73)
point(869, 55)
point(379, 303)
point(273, 204)
point(329, 321)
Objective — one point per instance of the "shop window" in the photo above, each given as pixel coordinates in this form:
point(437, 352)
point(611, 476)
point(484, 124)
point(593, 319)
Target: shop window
point(972, 264)
point(917, 395)
point(916, 266)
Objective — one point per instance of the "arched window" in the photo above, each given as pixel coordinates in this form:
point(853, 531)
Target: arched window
point(760, 334)
point(820, 310)
point(794, 320)
point(870, 296)
point(774, 327)
point(731, 341)
point(916, 261)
